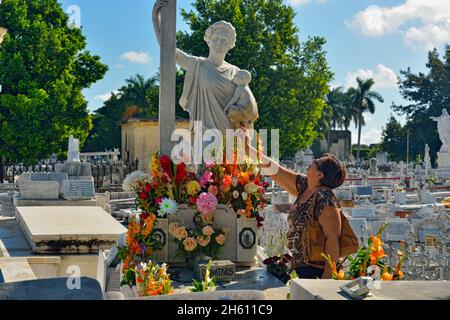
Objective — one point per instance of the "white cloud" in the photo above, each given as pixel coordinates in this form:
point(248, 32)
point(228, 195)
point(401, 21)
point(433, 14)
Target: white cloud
point(384, 77)
point(135, 57)
point(297, 3)
point(367, 137)
point(422, 23)
point(106, 96)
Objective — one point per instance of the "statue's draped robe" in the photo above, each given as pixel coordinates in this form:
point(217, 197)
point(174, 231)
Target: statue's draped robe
point(207, 91)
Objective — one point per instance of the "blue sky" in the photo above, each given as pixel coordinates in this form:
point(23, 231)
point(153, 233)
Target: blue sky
point(367, 38)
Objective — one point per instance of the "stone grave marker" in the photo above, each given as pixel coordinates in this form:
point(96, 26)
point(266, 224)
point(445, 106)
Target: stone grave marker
point(39, 190)
point(222, 270)
point(79, 189)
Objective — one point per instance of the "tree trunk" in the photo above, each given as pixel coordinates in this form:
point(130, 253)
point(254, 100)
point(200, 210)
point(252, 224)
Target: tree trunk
point(359, 140)
point(329, 141)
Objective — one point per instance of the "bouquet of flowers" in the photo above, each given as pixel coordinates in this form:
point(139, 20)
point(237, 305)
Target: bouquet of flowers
point(370, 261)
point(152, 279)
point(279, 266)
point(202, 240)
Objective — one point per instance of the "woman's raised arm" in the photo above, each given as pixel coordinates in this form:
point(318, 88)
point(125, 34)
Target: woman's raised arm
point(284, 177)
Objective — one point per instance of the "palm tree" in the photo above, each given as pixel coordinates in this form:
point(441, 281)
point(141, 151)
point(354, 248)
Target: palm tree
point(362, 102)
point(335, 100)
point(136, 93)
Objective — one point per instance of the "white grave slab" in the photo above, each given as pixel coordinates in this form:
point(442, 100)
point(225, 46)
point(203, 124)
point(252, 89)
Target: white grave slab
point(363, 212)
point(399, 230)
point(69, 229)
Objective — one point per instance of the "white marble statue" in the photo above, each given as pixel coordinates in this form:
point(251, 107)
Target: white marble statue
point(208, 85)
point(443, 125)
point(73, 154)
point(242, 110)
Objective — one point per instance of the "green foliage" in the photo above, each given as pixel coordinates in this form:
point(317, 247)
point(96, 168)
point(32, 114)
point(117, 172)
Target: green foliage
point(394, 137)
point(207, 284)
point(44, 69)
point(290, 78)
point(138, 98)
point(363, 100)
point(427, 93)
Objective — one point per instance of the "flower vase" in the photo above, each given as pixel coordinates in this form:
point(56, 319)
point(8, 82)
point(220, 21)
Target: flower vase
point(247, 241)
point(161, 233)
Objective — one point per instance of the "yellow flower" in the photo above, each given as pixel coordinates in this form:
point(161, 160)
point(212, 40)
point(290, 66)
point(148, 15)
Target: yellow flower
point(193, 187)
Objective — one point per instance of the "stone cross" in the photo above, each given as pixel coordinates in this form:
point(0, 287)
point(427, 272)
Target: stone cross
point(167, 83)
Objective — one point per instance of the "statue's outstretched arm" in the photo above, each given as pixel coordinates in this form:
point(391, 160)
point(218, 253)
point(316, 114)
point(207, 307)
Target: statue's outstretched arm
point(181, 57)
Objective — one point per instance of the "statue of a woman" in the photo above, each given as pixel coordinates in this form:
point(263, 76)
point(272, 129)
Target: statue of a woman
point(443, 125)
point(208, 86)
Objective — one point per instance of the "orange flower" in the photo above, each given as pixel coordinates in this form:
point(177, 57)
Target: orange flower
point(244, 178)
point(248, 207)
point(376, 241)
point(386, 276)
point(340, 275)
point(148, 225)
point(362, 271)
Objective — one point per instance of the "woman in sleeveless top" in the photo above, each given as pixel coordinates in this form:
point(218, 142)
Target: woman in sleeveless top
point(322, 176)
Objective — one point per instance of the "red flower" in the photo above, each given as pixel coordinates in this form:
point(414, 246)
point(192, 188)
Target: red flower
point(268, 261)
point(144, 215)
point(181, 172)
point(166, 165)
point(193, 201)
point(144, 196)
point(158, 200)
point(147, 187)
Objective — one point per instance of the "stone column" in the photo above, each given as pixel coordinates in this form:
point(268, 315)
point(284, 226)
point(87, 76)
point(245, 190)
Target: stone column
point(167, 87)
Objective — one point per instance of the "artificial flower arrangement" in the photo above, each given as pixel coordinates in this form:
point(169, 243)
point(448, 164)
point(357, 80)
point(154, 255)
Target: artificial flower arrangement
point(370, 261)
point(202, 240)
point(171, 183)
point(152, 279)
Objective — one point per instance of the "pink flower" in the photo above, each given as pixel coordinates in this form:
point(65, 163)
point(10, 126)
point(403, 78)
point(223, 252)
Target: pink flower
point(209, 164)
point(207, 203)
point(206, 178)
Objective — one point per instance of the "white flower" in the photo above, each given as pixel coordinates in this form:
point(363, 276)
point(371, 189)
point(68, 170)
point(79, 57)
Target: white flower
point(167, 206)
point(133, 179)
point(235, 194)
point(244, 196)
point(235, 182)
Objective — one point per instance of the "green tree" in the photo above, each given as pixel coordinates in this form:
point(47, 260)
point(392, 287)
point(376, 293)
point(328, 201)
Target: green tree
point(427, 93)
point(335, 100)
point(363, 101)
point(393, 139)
point(290, 78)
point(44, 68)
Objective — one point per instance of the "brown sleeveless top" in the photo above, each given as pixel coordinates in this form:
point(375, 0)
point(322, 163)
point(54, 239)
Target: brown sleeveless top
point(297, 217)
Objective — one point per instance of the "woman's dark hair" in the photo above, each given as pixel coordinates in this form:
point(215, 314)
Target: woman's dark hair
point(333, 171)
